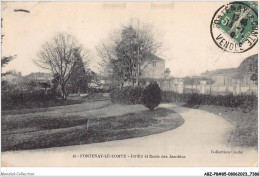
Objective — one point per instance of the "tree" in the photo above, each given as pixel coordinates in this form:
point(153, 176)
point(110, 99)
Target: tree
point(60, 55)
point(77, 82)
point(45, 85)
point(91, 77)
point(55, 84)
point(249, 66)
point(31, 85)
point(4, 61)
point(128, 52)
point(151, 97)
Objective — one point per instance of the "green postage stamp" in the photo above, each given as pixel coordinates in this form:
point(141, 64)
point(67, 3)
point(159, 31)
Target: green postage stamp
point(234, 26)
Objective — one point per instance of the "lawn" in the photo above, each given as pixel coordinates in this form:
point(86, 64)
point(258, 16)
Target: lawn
point(80, 124)
point(246, 125)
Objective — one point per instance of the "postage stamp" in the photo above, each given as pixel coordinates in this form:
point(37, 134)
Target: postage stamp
point(234, 26)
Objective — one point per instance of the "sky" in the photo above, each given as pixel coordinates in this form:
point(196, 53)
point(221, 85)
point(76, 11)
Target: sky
point(183, 28)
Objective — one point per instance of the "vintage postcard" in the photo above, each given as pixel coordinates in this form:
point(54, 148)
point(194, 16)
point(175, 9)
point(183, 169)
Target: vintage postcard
point(129, 84)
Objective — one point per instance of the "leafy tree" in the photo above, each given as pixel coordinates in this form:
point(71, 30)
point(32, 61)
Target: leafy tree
point(55, 84)
point(45, 85)
point(77, 82)
point(91, 77)
point(249, 66)
point(4, 62)
point(32, 85)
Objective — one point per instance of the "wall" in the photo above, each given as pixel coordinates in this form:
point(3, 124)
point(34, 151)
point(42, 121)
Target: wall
point(178, 86)
point(154, 69)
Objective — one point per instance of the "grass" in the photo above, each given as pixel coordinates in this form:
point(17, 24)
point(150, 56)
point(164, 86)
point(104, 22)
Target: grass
point(85, 106)
point(100, 124)
point(50, 105)
point(246, 125)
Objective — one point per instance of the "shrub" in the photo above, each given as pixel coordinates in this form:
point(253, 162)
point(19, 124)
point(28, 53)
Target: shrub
point(245, 102)
point(152, 96)
point(127, 95)
point(26, 99)
point(169, 96)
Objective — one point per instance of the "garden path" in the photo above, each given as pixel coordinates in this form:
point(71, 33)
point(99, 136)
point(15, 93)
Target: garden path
point(197, 139)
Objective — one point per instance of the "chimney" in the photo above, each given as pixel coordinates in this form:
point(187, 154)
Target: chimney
point(167, 73)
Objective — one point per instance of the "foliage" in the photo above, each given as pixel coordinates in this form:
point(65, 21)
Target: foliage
point(35, 99)
point(45, 85)
point(4, 62)
point(245, 102)
point(55, 84)
point(16, 100)
point(31, 85)
point(152, 96)
point(127, 95)
point(250, 65)
point(169, 96)
point(77, 82)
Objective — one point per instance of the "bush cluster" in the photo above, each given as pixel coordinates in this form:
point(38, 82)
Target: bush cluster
point(127, 95)
point(151, 97)
point(169, 96)
point(245, 102)
point(26, 99)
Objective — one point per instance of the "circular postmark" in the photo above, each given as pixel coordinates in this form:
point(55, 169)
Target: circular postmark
point(234, 26)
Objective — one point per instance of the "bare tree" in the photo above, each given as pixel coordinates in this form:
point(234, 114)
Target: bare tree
point(60, 55)
point(128, 51)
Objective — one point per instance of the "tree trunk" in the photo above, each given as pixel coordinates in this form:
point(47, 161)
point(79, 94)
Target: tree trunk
point(63, 94)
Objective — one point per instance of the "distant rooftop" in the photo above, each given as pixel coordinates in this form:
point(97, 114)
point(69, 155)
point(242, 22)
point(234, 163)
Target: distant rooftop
point(156, 58)
point(227, 71)
point(39, 74)
point(247, 65)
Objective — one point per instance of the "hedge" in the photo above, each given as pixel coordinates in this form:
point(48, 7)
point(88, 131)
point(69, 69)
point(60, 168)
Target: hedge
point(245, 102)
point(26, 99)
point(127, 95)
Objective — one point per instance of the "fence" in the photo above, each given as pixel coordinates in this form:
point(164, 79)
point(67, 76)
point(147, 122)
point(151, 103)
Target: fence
point(202, 88)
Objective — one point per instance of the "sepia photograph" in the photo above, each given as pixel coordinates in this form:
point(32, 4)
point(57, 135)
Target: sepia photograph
point(129, 84)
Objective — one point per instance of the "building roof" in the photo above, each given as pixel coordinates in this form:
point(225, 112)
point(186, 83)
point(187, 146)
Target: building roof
point(228, 71)
point(39, 74)
point(249, 65)
point(156, 58)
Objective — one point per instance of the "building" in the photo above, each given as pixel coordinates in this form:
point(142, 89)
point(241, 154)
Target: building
point(241, 80)
point(14, 78)
point(235, 80)
point(39, 77)
point(154, 68)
